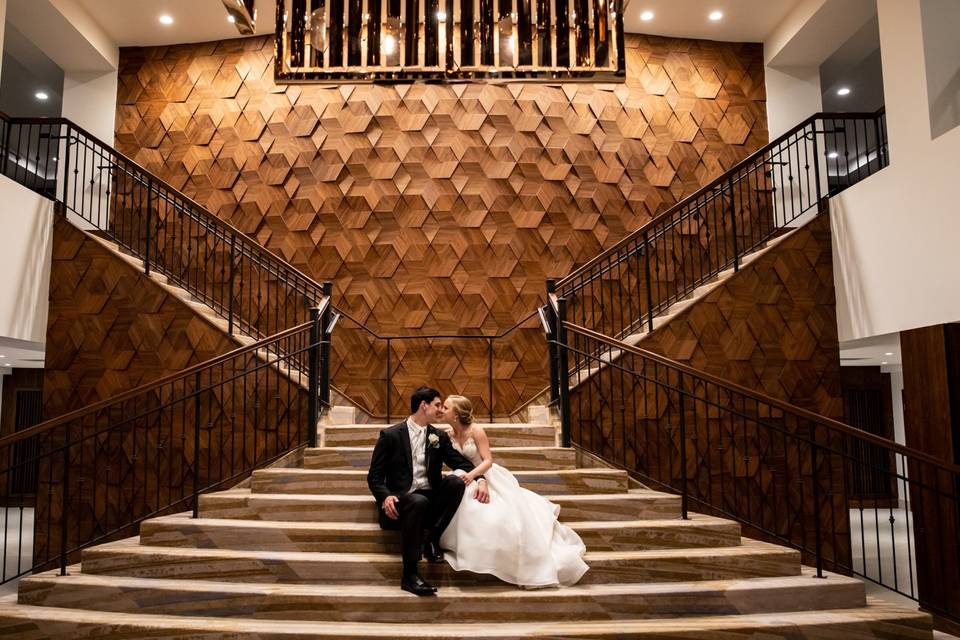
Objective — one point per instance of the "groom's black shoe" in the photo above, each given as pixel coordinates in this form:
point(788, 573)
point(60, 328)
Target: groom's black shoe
point(432, 552)
point(417, 585)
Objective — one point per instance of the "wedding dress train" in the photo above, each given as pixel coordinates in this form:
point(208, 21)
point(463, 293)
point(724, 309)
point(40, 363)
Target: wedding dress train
point(515, 537)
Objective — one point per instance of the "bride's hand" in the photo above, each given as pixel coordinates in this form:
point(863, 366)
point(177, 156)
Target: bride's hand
point(482, 494)
point(467, 479)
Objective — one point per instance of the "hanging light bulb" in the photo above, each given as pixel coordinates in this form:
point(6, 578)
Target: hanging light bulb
point(389, 45)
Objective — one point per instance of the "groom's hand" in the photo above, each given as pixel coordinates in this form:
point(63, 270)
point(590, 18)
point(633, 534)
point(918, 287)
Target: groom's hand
point(482, 493)
point(390, 507)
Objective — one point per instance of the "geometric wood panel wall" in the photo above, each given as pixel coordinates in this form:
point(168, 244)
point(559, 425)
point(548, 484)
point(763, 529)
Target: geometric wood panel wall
point(439, 208)
point(110, 329)
point(771, 327)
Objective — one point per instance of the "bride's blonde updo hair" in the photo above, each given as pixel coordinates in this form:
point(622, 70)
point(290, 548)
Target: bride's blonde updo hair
point(462, 408)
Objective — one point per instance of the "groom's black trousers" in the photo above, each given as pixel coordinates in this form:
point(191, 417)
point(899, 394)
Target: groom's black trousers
point(424, 509)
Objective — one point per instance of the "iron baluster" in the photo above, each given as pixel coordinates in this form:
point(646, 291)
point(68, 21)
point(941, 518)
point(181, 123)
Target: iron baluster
point(733, 227)
point(325, 347)
point(146, 249)
point(551, 318)
point(313, 381)
point(65, 500)
point(649, 282)
point(814, 476)
point(196, 445)
point(233, 273)
point(564, 372)
point(816, 169)
point(683, 450)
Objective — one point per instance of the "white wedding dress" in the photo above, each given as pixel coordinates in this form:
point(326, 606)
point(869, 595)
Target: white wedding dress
point(515, 537)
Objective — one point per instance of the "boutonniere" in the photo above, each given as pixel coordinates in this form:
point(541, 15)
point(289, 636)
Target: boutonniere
point(433, 440)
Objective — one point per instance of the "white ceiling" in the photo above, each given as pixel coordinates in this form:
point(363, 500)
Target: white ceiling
point(743, 20)
point(872, 352)
point(136, 22)
point(19, 354)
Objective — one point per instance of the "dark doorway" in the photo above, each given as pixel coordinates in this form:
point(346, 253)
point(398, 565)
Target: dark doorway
point(868, 405)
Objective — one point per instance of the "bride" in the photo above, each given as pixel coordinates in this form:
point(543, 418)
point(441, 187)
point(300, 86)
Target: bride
point(515, 536)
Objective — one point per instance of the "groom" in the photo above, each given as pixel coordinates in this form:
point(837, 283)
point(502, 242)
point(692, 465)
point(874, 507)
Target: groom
point(405, 478)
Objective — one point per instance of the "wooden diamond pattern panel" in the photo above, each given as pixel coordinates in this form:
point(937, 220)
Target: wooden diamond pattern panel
point(771, 327)
point(439, 208)
point(110, 329)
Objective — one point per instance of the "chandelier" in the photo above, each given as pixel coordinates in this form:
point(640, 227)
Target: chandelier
point(401, 40)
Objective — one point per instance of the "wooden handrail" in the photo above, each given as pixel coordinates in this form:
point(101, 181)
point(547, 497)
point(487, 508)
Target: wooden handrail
point(824, 421)
point(53, 423)
point(710, 186)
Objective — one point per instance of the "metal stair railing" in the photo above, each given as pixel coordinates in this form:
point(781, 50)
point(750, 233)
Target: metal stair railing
point(788, 475)
point(620, 292)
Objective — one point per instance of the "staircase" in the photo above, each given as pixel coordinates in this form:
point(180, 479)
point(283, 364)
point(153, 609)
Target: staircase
point(296, 552)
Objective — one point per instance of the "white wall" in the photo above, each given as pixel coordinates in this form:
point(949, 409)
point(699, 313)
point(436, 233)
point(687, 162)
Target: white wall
point(897, 234)
point(26, 221)
point(793, 95)
point(3, 23)
point(69, 36)
point(941, 50)
point(90, 100)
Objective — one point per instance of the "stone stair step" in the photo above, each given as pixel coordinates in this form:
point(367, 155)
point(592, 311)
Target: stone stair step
point(877, 620)
point(242, 504)
point(339, 537)
point(129, 558)
point(500, 435)
point(325, 481)
point(513, 458)
point(474, 604)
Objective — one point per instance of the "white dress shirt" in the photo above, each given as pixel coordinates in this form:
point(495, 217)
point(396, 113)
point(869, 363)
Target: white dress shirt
point(418, 454)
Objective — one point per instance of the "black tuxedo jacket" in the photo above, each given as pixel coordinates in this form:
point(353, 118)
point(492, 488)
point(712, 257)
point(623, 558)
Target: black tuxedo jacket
point(391, 468)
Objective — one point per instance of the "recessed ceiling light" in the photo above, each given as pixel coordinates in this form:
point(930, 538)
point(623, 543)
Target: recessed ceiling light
point(3, 356)
point(884, 362)
point(646, 16)
point(888, 354)
point(832, 154)
point(843, 91)
point(41, 95)
point(231, 19)
point(165, 19)
point(716, 15)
